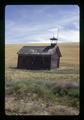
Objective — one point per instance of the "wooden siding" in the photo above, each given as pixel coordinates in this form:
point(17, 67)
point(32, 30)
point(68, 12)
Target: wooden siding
point(34, 62)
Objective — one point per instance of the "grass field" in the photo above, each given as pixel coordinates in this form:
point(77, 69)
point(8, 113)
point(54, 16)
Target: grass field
point(54, 92)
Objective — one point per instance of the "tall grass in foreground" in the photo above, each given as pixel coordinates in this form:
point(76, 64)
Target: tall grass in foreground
point(47, 90)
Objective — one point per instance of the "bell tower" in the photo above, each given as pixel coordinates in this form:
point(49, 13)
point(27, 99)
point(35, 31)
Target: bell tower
point(53, 41)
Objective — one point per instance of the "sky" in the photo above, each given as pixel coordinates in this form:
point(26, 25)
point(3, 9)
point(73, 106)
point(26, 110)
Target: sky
point(38, 23)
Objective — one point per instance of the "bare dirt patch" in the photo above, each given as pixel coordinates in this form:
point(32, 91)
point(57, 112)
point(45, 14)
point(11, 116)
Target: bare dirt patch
point(22, 107)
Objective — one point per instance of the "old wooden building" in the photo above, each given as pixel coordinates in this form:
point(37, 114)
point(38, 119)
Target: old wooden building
point(39, 57)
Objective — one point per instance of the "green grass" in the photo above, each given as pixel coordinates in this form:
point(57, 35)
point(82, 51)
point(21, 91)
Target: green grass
point(47, 90)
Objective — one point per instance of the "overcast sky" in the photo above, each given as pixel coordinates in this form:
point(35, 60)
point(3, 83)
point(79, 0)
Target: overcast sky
point(37, 23)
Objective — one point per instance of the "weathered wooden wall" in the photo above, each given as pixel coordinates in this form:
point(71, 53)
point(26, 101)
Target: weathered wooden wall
point(34, 62)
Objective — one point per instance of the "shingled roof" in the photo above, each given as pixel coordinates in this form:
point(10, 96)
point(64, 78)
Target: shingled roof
point(32, 50)
point(38, 50)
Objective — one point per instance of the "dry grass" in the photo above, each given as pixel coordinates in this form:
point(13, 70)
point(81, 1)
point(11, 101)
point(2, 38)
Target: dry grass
point(67, 75)
point(19, 107)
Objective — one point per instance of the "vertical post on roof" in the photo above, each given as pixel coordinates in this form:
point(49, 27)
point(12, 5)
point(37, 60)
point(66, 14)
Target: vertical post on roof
point(57, 34)
point(53, 34)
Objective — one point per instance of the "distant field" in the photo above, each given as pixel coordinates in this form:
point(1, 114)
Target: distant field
point(67, 74)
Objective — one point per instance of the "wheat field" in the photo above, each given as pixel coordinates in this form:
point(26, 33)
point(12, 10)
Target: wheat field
point(68, 73)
